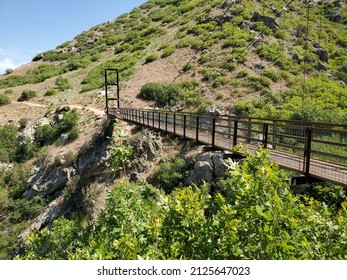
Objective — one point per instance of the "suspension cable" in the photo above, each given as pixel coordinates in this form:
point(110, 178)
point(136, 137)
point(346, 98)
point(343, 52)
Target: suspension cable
point(305, 59)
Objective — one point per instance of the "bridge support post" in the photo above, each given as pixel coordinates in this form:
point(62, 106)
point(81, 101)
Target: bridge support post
point(213, 132)
point(153, 119)
point(184, 125)
point(197, 129)
point(307, 152)
point(166, 122)
point(236, 123)
point(265, 135)
point(159, 119)
point(174, 124)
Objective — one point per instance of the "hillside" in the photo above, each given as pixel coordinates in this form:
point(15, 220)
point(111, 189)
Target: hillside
point(273, 59)
point(217, 53)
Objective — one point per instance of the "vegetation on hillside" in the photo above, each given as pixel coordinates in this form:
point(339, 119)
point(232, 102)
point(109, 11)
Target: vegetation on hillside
point(252, 215)
point(16, 212)
point(272, 61)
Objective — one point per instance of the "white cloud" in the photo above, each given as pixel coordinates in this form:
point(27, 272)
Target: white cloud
point(6, 63)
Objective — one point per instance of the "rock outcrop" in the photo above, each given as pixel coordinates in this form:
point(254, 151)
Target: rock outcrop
point(208, 166)
point(147, 146)
point(92, 160)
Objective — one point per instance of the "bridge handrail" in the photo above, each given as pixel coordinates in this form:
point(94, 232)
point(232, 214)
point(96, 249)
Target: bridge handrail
point(307, 141)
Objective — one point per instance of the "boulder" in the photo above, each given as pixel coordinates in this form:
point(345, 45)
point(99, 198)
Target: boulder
point(48, 181)
point(322, 54)
point(204, 171)
point(321, 67)
point(219, 164)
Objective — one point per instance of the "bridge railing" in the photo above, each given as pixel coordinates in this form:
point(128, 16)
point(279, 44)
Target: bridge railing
point(305, 147)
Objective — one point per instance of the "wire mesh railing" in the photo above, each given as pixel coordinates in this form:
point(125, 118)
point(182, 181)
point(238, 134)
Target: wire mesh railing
point(314, 149)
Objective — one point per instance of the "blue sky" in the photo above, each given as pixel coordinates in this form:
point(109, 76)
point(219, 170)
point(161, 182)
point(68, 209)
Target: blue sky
point(28, 27)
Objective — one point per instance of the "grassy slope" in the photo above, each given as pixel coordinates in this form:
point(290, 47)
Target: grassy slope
point(227, 67)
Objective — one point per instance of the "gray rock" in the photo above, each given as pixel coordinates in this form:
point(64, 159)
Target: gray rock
point(206, 157)
point(322, 54)
point(192, 179)
point(48, 181)
point(204, 171)
point(321, 67)
point(219, 164)
point(94, 161)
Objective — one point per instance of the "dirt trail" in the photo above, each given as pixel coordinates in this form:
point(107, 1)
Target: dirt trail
point(96, 111)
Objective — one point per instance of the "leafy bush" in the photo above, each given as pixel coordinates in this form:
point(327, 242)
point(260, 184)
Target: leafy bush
point(22, 123)
point(171, 174)
point(272, 74)
point(242, 74)
point(162, 94)
point(26, 150)
point(8, 91)
point(167, 51)
point(78, 63)
point(65, 121)
point(63, 83)
point(4, 99)
point(252, 215)
point(51, 92)
point(16, 211)
point(184, 43)
point(45, 135)
point(8, 142)
point(221, 81)
point(27, 94)
point(259, 82)
point(43, 72)
point(151, 57)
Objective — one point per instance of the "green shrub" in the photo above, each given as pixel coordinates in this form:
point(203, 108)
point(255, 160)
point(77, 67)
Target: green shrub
point(65, 121)
point(9, 91)
point(51, 92)
point(4, 99)
point(63, 83)
point(43, 72)
point(242, 74)
point(78, 63)
point(113, 40)
point(185, 43)
point(26, 150)
point(139, 46)
point(259, 82)
point(27, 94)
point(272, 74)
point(8, 142)
point(253, 215)
point(221, 81)
point(45, 135)
point(220, 96)
point(151, 57)
point(162, 94)
point(170, 175)
point(22, 123)
point(167, 51)
point(73, 134)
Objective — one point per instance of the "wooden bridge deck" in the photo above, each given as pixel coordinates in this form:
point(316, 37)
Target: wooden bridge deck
point(303, 148)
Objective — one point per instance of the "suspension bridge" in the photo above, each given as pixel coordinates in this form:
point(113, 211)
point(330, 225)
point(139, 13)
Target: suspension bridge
point(316, 151)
